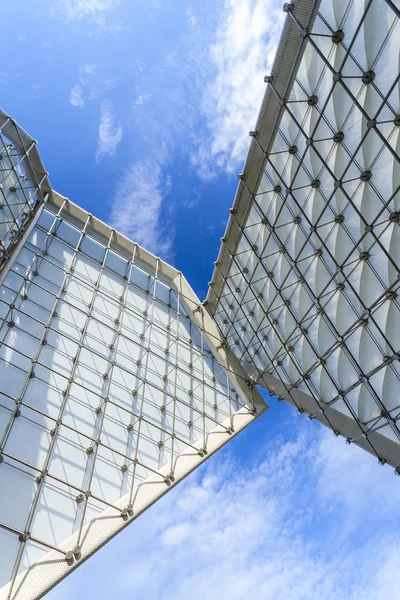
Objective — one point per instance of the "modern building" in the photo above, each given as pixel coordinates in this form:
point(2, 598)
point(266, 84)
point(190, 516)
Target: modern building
point(306, 285)
point(116, 381)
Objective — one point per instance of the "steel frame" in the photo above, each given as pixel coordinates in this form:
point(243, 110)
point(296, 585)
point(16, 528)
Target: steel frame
point(236, 318)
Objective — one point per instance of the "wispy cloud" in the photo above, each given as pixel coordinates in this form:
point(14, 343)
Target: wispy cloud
point(76, 96)
point(190, 16)
point(74, 10)
point(162, 121)
point(203, 97)
point(92, 84)
point(110, 131)
point(89, 68)
point(137, 206)
point(142, 97)
point(100, 13)
point(304, 519)
point(242, 54)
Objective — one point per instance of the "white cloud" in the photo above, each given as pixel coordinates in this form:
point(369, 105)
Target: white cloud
point(89, 68)
point(264, 527)
point(190, 16)
point(141, 97)
point(76, 96)
point(93, 82)
point(178, 105)
point(73, 10)
point(161, 121)
point(242, 54)
point(110, 131)
point(137, 206)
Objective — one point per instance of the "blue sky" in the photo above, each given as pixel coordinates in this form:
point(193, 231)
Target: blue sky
point(142, 110)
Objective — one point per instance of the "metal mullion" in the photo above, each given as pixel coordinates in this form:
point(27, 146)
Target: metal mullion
point(68, 303)
point(386, 100)
point(80, 433)
point(13, 218)
point(343, 393)
point(135, 460)
point(9, 425)
point(324, 107)
point(278, 117)
point(133, 414)
point(348, 49)
point(352, 156)
point(52, 477)
point(377, 400)
point(361, 109)
point(178, 293)
point(277, 332)
point(228, 396)
point(266, 314)
point(349, 283)
point(6, 121)
point(103, 292)
point(205, 436)
point(385, 252)
point(90, 465)
point(393, 7)
point(118, 337)
point(26, 152)
point(260, 259)
point(332, 278)
point(32, 539)
point(18, 163)
point(277, 120)
point(359, 213)
point(52, 442)
point(308, 240)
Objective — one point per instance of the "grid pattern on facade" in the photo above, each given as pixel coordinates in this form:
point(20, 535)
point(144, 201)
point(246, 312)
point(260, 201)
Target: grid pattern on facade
point(104, 380)
point(311, 294)
point(20, 184)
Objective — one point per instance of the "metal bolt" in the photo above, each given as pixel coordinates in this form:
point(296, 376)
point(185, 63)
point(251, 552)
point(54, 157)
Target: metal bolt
point(288, 7)
point(337, 36)
point(338, 137)
point(368, 76)
point(366, 176)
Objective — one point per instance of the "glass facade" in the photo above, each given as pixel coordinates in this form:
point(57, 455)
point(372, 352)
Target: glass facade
point(306, 285)
point(107, 385)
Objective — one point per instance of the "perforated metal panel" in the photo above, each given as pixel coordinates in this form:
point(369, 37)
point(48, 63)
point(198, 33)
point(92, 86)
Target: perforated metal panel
point(111, 379)
point(306, 285)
